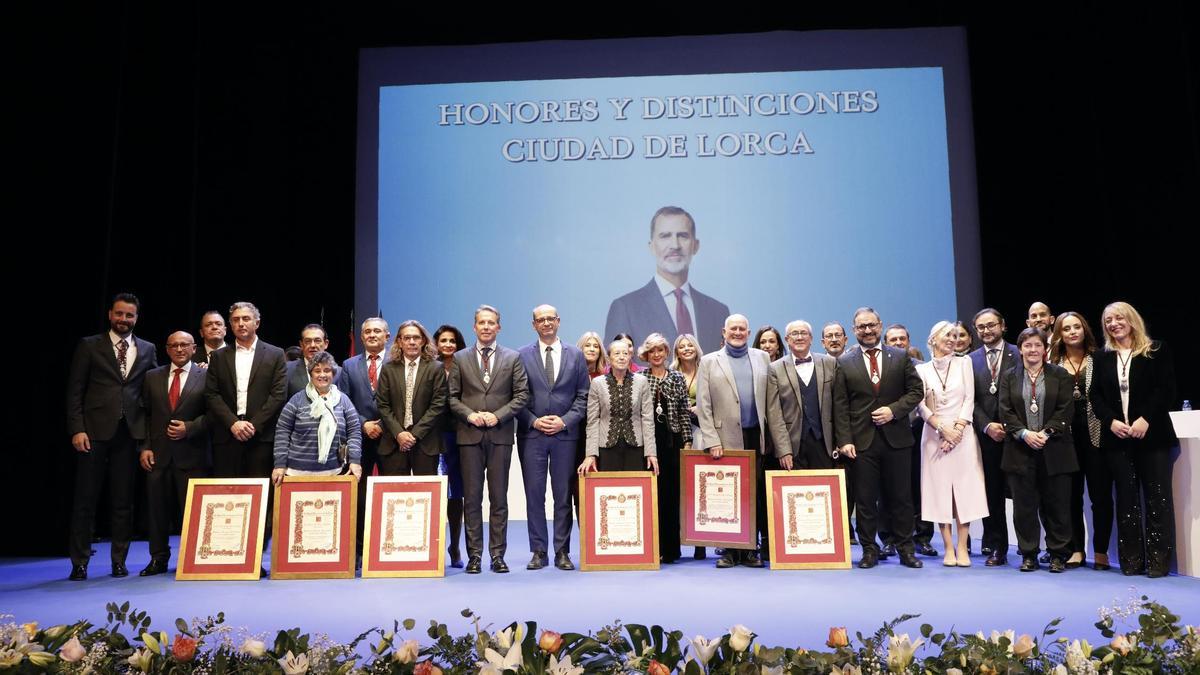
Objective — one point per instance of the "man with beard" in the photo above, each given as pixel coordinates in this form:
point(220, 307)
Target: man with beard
point(989, 362)
point(833, 339)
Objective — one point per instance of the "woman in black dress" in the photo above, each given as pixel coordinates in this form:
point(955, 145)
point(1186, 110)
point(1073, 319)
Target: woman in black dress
point(672, 433)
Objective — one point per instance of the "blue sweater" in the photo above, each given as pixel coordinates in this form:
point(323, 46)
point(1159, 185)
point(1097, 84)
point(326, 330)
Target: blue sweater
point(296, 435)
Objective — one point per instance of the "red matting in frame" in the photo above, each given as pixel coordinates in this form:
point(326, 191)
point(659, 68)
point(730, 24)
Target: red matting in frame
point(223, 518)
point(333, 512)
point(807, 518)
point(415, 497)
point(701, 523)
point(596, 498)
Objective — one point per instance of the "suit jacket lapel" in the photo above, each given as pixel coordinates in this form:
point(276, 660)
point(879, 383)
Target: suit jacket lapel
point(723, 361)
point(794, 379)
point(860, 365)
point(258, 357)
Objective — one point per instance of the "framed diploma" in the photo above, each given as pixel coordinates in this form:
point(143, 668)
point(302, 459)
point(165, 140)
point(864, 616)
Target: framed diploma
point(716, 499)
point(223, 524)
point(314, 528)
point(807, 518)
point(405, 530)
point(618, 521)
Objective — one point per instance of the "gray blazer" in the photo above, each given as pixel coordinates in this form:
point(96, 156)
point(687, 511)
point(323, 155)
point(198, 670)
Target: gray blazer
point(599, 410)
point(785, 406)
point(718, 405)
point(504, 395)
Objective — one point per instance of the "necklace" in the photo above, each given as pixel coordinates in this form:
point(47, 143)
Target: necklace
point(943, 380)
point(1077, 371)
point(1033, 378)
point(1124, 380)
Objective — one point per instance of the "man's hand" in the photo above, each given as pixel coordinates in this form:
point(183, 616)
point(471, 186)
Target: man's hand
point(373, 429)
point(549, 425)
point(716, 452)
point(476, 419)
point(881, 415)
point(242, 430)
point(81, 442)
point(848, 450)
point(177, 430)
point(147, 459)
point(785, 462)
point(995, 431)
point(406, 440)
point(490, 419)
point(201, 364)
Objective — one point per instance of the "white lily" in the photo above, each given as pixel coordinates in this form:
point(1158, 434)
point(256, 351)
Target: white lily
point(1010, 634)
point(496, 664)
point(900, 652)
point(141, 659)
point(504, 638)
point(563, 667)
point(848, 669)
point(704, 649)
point(294, 665)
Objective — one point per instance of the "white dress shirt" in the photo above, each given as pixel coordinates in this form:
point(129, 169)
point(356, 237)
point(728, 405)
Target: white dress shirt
point(804, 370)
point(555, 357)
point(242, 362)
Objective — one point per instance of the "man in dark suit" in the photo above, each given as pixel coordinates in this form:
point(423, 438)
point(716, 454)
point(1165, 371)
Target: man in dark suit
point(668, 304)
point(212, 331)
point(245, 390)
point(411, 398)
point(875, 389)
point(800, 403)
point(313, 340)
point(106, 421)
point(177, 441)
point(488, 388)
point(548, 431)
point(989, 362)
point(359, 379)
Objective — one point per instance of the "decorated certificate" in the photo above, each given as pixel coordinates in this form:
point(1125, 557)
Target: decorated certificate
point(224, 528)
point(808, 517)
point(223, 524)
point(315, 519)
point(716, 500)
point(618, 521)
point(405, 528)
point(406, 524)
point(716, 497)
point(807, 521)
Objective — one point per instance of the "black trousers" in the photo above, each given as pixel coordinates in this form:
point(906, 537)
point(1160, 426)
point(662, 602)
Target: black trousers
point(881, 470)
point(847, 466)
point(668, 444)
point(412, 462)
point(491, 461)
point(166, 494)
point(370, 460)
point(995, 524)
point(622, 457)
point(1137, 468)
point(115, 461)
point(1099, 489)
point(1037, 494)
point(252, 459)
point(812, 454)
point(922, 529)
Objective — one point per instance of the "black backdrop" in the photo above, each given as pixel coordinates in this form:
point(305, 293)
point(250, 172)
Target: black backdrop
point(197, 156)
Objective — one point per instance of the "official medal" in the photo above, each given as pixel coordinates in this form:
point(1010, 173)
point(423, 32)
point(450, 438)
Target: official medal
point(992, 389)
point(1077, 394)
point(1033, 407)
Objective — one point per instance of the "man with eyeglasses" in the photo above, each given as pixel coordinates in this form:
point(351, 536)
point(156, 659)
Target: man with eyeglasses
point(313, 339)
point(875, 389)
point(800, 403)
point(833, 339)
point(176, 448)
point(989, 363)
point(547, 432)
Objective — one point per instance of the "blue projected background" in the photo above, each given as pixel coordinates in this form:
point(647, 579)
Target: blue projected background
point(838, 208)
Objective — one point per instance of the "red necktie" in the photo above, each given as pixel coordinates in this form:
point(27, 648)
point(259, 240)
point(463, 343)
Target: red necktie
point(173, 395)
point(373, 370)
point(874, 354)
point(683, 320)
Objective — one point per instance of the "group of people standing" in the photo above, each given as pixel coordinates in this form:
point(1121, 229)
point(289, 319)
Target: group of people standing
point(1039, 420)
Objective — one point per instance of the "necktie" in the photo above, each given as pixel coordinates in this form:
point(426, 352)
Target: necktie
point(486, 354)
point(173, 395)
point(550, 366)
point(410, 382)
point(373, 370)
point(873, 353)
point(122, 352)
point(683, 320)
point(807, 359)
point(993, 359)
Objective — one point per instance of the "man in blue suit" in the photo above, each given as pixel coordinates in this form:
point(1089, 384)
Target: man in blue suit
point(358, 379)
point(547, 431)
point(669, 304)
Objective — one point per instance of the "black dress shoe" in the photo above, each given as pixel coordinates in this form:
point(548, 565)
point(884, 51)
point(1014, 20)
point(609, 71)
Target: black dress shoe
point(728, 559)
point(78, 573)
point(986, 551)
point(888, 551)
point(263, 573)
point(474, 565)
point(563, 561)
point(752, 559)
point(1132, 571)
point(119, 570)
point(996, 559)
point(870, 558)
point(909, 560)
point(1045, 558)
point(155, 567)
point(498, 565)
point(1157, 572)
point(537, 562)
point(1029, 563)
point(926, 550)
point(1057, 565)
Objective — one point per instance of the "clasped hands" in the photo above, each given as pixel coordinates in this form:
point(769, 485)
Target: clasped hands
point(482, 419)
point(1136, 430)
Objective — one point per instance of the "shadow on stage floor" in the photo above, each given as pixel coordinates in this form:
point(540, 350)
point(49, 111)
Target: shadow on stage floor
point(792, 607)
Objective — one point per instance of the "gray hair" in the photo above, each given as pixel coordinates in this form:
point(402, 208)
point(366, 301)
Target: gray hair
point(248, 306)
point(322, 359)
point(487, 308)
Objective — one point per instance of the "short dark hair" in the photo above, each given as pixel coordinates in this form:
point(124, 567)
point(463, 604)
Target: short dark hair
point(314, 326)
point(460, 342)
point(322, 359)
point(898, 326)
point(672, 211)
point(986, 310)
point(1032, 332)
point(125, 297)
point(211, 311)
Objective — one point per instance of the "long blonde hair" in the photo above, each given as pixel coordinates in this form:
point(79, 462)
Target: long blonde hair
point(602, 360)
point(1139, 339)
point(675, 350)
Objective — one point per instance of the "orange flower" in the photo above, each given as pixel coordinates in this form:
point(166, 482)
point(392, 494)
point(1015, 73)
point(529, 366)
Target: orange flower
point(183, 648)
point(837, 637)
point(426, 668)
point(657, 668)
point(550, 641)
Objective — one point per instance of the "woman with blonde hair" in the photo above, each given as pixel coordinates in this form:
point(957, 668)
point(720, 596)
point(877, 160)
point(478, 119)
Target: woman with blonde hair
point(952, 488)
point(592, 346)
point(1133, 386)
point(672, 433)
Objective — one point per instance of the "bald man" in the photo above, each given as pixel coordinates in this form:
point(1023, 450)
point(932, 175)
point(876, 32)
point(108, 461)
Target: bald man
point(1040, 316)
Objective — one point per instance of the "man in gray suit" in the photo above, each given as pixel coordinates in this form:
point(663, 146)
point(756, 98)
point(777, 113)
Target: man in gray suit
point(800, 403)
point(875, 389)
point(731, 403)
point(488, 388)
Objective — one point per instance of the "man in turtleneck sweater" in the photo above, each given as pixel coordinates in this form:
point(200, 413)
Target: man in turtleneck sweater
point(731, 403)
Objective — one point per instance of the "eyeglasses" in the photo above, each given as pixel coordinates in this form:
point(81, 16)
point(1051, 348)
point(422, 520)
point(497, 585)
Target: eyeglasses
point(798, 333)
point(866, 326)
point(987, 326)
point(180, 345)
point(546, 319)
point(312, 341)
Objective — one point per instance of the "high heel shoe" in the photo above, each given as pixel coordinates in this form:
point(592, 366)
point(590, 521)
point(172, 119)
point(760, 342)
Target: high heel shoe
point(964, 559)
point(949, 560)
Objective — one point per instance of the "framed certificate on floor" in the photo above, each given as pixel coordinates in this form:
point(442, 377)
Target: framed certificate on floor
point(716, 499)
point(618, 521)
point(314, 528)
point(807, 519)
point(406, 521)
point(223, 523)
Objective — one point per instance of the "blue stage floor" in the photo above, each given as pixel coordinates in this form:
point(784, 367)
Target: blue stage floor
point(792, 607)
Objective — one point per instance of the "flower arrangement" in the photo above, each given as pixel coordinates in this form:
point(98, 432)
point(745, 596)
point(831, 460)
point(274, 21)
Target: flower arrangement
point(1158, 644)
